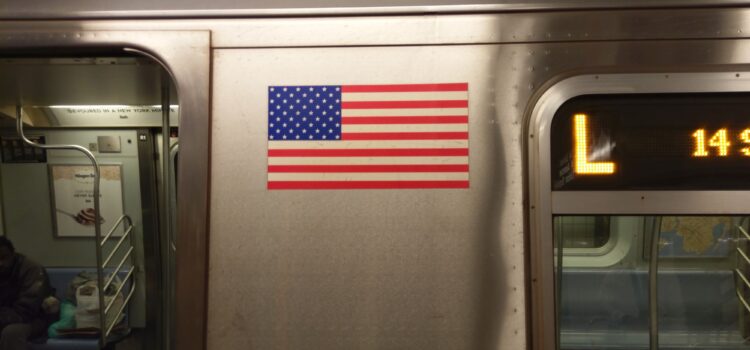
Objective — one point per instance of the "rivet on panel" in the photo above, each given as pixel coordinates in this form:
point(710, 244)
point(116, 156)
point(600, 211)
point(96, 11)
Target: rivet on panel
point(737, 75)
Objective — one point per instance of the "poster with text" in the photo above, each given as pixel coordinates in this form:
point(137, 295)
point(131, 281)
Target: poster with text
point(73, 199)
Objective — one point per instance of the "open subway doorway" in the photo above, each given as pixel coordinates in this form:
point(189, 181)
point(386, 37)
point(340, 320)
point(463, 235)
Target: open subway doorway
point(121, 106)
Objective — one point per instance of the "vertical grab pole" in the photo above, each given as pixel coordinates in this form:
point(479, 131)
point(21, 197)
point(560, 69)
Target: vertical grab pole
point(653, 302)
point(97, 215)
point(165, 170)
point(558, 282)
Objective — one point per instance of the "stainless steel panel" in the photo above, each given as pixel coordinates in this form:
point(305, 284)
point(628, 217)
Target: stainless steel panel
point(532, 27)
point(39, 9)
point(109, 144)
point(364, 269)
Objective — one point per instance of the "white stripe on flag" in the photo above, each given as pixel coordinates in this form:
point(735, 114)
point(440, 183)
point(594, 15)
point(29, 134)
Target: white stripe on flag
point(405, 96)
point(404, 128)
point(365, 160)
point(371, 144)
point(368, 176)
point(385, 112)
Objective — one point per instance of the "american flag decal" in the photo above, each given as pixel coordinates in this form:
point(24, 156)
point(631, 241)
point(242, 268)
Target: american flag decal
point(368, 136)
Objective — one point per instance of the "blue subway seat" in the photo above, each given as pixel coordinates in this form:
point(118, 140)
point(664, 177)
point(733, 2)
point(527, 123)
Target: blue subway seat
point(60, 278)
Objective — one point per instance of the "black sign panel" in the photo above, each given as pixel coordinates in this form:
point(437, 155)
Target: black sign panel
point(652, 142)
point(14, 150)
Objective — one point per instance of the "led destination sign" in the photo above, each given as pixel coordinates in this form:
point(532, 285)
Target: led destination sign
point(654, 141)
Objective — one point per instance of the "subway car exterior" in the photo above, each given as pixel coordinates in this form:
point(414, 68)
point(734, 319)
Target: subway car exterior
point(413, 174)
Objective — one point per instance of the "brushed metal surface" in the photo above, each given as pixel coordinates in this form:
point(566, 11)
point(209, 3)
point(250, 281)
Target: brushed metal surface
point(40, 9)
point(522, 27)
point(364, 269)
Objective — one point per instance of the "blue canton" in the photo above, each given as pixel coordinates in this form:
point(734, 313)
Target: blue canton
point(304, 113)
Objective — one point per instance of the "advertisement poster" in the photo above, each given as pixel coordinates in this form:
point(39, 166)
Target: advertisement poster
point(73, 199)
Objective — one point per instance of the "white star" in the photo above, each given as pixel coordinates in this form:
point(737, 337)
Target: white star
point(324, 137)
point(271, 89)
point(337, 100)
point(271, 112)
point(330, 131)
point(284, 100)
point(297, 89)
point(317, 131)
point(278, 119)
point(330, 119)
point(290, 131)
point(271, 101)
point(297, 125)
point(278, 107)
point(291, 106)
point(324, 89)
point(317, 119)
point(284, 137)
point(311, 89)
point(317, 106)
point(337, 89)
point(297, 137)
point(291, 118)
point(337, 136)
point(324, 125)
point(337, 112)
point(297, 113)
point(278, 95)
point(271, 137)
point(304, 106)
point(310, 137)
point(278, 131)
point(311, 101)
point(324, 112)
point(330, 107)
point(330, 95)
point(284, 89)
point(317, 95)
point(284, 125)
point(291, 94)
point(297, 100)
point(310, 125)
point(271, 125)
point(284, 113)
point(304, 119)
point(304, 131)
point(304, 95)
point(337, 125)
point(324, 100)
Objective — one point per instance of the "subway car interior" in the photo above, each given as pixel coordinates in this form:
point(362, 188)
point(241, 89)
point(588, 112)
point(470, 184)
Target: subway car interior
point(60, 116)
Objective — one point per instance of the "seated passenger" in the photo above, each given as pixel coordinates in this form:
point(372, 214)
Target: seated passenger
point(24, 286)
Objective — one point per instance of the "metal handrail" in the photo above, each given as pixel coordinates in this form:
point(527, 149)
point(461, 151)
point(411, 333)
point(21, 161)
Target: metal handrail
point(742, 299)
point(97, 209)
point(117, 246)
point(738, 288)
point(117, 224)
point(107, 328)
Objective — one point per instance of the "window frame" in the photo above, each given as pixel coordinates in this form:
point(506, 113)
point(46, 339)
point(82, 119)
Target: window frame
point(544, 202)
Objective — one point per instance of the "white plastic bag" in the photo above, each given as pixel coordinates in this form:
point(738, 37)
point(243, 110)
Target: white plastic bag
point(87, 309)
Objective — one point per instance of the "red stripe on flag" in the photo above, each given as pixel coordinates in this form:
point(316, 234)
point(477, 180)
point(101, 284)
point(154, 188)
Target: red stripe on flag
point(405, 136)
point(401, 168)
point(375, 152)
point(404, 104)
point(337, 185)
point(449, 119)
point(406, 87)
